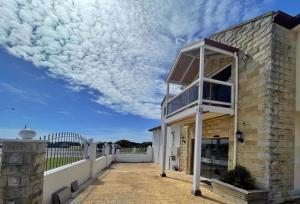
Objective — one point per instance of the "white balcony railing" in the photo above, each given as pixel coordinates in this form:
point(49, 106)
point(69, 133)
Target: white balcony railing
point(215, 93)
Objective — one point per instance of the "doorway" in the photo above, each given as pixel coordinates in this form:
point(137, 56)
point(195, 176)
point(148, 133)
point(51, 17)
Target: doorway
point(214, 157)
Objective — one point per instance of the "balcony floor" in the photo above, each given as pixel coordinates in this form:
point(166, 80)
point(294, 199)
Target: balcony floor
point(141, 183)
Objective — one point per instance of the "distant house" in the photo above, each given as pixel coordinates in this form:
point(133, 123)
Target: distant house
point(246, 111)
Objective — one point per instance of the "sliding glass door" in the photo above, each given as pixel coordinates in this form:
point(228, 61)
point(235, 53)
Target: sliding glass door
point(214, 157)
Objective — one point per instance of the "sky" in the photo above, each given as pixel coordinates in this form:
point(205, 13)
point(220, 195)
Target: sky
point(98, 67)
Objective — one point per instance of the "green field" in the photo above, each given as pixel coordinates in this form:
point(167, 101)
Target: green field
point(52, 163)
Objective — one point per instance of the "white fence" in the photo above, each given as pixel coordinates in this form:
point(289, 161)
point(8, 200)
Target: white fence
point(134, 156)
point(82, 171)
point(87, 169)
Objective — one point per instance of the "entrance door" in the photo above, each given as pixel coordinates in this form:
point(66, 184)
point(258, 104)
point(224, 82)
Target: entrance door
point(214, 157)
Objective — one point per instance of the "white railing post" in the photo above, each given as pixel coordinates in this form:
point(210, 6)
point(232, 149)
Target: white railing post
point(92, 156)
point(150, 152)
point(198, 129)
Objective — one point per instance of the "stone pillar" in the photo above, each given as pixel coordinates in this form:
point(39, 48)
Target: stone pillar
point(22, 171)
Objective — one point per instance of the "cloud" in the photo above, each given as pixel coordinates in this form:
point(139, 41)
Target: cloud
point(122, 49)
point(25, 95)
point(103, 112)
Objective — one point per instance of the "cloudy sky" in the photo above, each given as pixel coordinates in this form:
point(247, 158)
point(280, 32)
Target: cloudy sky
point(97, 67)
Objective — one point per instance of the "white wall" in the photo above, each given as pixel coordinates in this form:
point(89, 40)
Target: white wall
point(60, 177)
point(297, 155)
point(173, 142)
point(156, 145)
point(170, 150)
point(81, 171)
point(135, 157)
point(99, 164)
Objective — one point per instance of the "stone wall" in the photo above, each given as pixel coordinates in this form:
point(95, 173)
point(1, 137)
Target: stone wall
point(281, 107)
point(184, 149)
point(223, 127)
point(22, 172)
point(253, 39)
point(265, 102)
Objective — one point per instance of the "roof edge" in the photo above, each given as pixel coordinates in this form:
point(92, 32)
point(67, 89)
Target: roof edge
point(154, 128)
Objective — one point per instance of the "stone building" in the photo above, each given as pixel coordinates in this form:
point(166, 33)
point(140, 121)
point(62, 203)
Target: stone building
point(246, 111)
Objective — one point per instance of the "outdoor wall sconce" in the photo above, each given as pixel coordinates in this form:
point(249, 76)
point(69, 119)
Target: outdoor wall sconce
point(239, 136)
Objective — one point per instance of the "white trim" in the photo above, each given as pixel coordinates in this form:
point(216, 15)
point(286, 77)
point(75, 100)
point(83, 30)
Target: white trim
point(58, 169)
point(182, 108)
point(218, 82)
point(182, 115)
point(173, 67)
point(217, 102)
point(217, 109)
point(219, 50)
point(193, 46)
point(187, 70)
point(183, 91)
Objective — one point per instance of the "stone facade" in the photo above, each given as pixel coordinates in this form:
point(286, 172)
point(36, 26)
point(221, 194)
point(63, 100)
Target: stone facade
point(222, 127)
point(266, 105)
point(281, 90)
point(253, 39)
point(266, 102)
point(22, 172)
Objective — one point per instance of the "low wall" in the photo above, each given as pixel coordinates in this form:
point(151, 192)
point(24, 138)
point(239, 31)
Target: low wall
point(81, 171)
point(134, 157)
point(63, 176)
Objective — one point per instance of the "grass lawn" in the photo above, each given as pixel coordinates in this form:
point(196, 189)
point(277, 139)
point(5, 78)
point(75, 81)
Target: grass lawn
point(52, 163)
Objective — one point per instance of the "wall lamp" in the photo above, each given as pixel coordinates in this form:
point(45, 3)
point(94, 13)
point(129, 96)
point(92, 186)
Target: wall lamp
point(239, 136)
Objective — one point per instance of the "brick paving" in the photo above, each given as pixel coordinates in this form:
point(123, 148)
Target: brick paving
point(126, 183)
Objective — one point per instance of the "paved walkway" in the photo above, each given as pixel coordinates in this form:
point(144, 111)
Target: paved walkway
point(141, 183)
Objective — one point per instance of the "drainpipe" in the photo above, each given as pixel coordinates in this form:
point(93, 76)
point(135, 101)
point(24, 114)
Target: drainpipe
point(236, 84)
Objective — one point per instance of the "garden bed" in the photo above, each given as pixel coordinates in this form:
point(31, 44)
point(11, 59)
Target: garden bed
point(238, 195)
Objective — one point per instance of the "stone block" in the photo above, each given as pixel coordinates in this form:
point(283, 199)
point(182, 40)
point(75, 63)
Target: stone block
point(13, 181)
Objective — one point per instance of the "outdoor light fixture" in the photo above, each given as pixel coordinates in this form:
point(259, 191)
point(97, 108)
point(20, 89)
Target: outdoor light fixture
point(239, 136)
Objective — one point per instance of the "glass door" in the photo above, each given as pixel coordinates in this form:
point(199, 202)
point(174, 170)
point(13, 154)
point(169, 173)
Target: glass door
point(214, 157)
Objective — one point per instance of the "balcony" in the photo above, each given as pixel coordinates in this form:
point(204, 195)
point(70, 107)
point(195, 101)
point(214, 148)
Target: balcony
point(216, 64)
point(215, 94)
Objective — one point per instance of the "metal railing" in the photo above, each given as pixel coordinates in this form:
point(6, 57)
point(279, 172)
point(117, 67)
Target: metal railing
point(215, 93)
point(64, 148)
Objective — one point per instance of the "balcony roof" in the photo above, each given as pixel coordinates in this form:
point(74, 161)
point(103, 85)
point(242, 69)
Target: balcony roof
point(186, 64)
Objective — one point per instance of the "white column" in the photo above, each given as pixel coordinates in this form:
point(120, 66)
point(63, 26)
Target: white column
point(198, 129)
point(92, 156)
point(164, 136)
point(164, 146)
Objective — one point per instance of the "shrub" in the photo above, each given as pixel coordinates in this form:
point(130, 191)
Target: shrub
point(239, 177)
